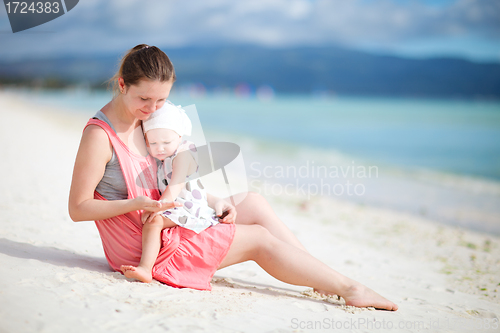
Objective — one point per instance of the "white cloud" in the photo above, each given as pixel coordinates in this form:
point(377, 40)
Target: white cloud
point(95, 26)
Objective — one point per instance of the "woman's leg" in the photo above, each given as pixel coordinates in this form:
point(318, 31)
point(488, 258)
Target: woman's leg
point(254, 209)
point(292, 265)
point(151, 243)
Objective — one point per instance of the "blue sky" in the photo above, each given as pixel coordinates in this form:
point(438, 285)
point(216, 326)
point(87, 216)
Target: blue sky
point(461, 28)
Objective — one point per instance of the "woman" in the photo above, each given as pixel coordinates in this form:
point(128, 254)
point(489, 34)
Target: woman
point(114, 179)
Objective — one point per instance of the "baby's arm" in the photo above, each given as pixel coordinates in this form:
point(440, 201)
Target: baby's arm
point(182, 166)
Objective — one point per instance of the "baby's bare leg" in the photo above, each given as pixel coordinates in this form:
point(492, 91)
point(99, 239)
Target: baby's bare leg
point(151, 243)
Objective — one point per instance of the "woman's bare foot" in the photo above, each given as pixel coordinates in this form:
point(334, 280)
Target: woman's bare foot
point(362, 297)
point(138, 273)
point(324, 292)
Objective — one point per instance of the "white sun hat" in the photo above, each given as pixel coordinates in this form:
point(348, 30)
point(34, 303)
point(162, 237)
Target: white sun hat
point(169, 117)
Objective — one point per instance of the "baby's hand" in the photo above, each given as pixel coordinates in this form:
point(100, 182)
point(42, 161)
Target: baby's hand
point(169, 204)
point(148, 217)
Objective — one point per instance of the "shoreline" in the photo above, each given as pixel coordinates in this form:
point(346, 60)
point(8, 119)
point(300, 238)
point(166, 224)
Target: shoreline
point(446, 198)
point(92, 100)
point(56, 277)
point(449, 198)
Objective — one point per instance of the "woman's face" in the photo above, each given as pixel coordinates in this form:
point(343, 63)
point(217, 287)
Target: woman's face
point(145, 97)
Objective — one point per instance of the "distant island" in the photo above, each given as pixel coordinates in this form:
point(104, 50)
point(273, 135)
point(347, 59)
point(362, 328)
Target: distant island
point(305, 70)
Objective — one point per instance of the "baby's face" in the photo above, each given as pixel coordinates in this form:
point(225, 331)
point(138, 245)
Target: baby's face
point(162, 143)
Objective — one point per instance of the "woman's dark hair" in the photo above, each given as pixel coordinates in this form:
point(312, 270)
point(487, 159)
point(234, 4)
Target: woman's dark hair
point(143, 62)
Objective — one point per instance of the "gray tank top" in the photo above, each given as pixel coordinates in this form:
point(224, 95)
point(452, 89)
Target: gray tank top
point(112, 185)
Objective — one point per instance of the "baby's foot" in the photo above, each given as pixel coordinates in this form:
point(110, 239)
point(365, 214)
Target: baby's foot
point(362, 296)
point(138, 273)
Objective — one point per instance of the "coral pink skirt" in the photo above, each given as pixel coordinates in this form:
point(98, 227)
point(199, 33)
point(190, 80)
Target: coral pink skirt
point(196, 258)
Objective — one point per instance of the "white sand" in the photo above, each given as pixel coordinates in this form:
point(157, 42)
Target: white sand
point(55, 277)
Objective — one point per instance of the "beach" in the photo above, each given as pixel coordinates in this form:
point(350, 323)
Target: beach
point(55, 277)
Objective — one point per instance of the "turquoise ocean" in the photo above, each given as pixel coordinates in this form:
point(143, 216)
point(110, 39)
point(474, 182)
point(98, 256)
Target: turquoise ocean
point(436, 158)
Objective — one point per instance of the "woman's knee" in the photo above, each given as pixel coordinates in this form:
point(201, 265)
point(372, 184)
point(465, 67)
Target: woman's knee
point(255, 198)
point(263, 240)
point(256, 206)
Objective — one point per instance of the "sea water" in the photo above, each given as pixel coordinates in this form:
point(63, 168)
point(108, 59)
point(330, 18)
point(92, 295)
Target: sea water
point(435, 158)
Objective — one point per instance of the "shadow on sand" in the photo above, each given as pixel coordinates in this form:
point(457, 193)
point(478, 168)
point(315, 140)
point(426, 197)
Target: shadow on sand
point(269, 290)
point(53, 256)
point(69, 259)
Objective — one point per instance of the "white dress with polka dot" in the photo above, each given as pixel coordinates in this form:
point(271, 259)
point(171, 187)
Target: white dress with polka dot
point(195, 214)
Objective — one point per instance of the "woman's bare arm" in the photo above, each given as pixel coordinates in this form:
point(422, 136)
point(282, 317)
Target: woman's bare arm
point(94, 152)
point(220, 206)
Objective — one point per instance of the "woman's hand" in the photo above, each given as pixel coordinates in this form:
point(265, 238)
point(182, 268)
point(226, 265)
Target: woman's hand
point(153, 206)
point(222, 206)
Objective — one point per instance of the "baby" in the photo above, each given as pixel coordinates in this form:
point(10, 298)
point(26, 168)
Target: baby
point(163, 132)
